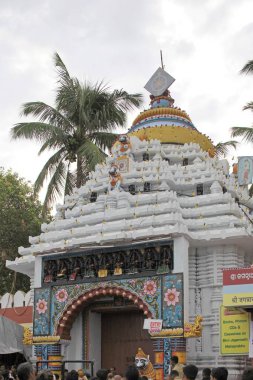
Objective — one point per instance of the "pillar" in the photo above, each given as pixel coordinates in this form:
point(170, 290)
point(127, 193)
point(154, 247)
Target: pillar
point(51, 352)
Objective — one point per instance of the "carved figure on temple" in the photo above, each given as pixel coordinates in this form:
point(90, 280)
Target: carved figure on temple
point(62, 270)
point(104, 266)
point(118, 264)
point(115, 178)
point(89, 269)
point(49, 271)
point(134, 261)
point(122, 147)
point(166, 260)
point(195, 329)
point(149, 259)
point(144, 365)
point(76, 269)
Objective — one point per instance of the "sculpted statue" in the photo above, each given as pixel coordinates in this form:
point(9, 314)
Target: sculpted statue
point(122, 147)
point(144, 366)
point(115, 178)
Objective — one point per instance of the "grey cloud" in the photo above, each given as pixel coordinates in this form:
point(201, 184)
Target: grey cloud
point(117, 41)
point(183, 48)
point(206, 107)
point(210, 18)
point(239, 47)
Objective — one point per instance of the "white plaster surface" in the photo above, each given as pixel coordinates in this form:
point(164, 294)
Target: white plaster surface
point(211, 231)
point(205, 298)
point(94, 345)
point(181, 264)
point(172, 207)
point(74, 351)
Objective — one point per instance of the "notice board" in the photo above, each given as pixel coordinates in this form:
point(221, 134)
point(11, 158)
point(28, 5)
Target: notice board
point(234, 331)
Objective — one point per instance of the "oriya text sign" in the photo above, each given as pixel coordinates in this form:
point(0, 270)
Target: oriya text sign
point(234, 331)
point(153, 325)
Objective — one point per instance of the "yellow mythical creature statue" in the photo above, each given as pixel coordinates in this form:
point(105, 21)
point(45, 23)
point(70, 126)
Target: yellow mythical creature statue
point(145, 367)
point(195, 329)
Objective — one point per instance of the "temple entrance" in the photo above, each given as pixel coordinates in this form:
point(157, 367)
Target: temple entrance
point(108, 331)
point(121, 335)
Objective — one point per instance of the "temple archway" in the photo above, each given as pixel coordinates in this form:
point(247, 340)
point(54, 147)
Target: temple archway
point(72, 310)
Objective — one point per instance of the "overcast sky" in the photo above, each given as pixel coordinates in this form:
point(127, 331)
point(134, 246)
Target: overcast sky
point(205, 43)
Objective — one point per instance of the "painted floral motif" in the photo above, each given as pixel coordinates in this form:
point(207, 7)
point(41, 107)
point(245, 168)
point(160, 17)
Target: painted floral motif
point(41, 306)
point(171, 297)
point(152, 297)
point(61, 295)
point(41, 312)
point(150, 287)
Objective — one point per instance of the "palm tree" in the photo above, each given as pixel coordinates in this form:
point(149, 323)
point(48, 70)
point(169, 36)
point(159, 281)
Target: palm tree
point(79, 129)
point(245, 132)
point(247, 68)
point(222, 148)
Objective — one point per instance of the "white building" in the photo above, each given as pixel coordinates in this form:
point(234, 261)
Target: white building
point(162, 184)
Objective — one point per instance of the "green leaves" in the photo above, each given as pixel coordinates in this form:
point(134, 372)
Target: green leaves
point(21, 217)
point(247, 68)
point(222, 148)
point(79, 127)
point(37, 131)
point(49, 169)
point(56, 185)
point(104, 140)
point(92, 154)
point(249, 106)
point(245, 132)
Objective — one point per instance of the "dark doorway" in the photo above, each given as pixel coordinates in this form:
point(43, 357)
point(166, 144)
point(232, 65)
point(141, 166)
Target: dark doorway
point(121, 335)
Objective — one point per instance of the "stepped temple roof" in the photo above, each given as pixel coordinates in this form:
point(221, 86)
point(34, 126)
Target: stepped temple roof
point(149, 192)
point(161, 181)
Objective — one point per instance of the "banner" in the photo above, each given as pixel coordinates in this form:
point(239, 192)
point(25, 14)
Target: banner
point(234, 331)
point(237, 276)
point(153, 325)
point(245, 170)
point(238, 287)
point(238, 298)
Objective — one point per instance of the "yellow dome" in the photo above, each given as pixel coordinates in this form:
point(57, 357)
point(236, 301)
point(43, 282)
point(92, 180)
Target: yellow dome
point(169, 125)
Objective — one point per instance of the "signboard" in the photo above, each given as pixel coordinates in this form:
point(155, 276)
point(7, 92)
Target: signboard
point(245, 170)
point(234, 331)
point(238, 287)
point(159, 82)
point(153, 325)
point(251, 340)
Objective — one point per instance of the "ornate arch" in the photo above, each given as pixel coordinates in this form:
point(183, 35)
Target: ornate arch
point(69, 315)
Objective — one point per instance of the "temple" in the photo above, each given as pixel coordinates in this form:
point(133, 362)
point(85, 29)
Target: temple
point(147, 236)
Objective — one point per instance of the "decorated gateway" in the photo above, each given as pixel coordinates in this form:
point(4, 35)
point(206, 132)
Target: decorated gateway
point(146, 237)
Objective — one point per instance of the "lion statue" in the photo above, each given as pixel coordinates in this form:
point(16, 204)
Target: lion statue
point(144, 365)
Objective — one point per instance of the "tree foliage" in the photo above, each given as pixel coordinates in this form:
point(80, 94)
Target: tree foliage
point(245, 132)
point(222, 148)
point(21, 217)
point(79, 129)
